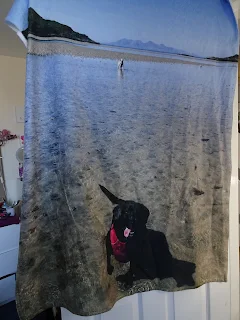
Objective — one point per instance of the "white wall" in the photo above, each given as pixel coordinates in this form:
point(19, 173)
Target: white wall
point(12, 91)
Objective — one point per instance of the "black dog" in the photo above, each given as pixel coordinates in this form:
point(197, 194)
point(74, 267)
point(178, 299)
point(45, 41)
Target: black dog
point(147, 250)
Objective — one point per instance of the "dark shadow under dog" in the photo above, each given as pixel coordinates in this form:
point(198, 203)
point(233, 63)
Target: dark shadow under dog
point(147, 250)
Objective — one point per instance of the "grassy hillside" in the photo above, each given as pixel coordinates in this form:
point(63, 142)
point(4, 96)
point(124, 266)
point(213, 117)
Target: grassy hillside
point(48, 28)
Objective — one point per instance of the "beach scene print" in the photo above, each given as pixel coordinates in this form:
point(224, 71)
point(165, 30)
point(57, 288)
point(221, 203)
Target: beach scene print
point(135, 103)
point(43, 29)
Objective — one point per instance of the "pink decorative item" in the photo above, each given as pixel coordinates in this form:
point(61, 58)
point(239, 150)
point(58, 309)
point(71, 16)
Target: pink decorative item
point(6, 135)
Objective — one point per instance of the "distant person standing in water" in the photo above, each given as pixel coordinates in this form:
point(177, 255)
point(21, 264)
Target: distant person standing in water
point(120, 64)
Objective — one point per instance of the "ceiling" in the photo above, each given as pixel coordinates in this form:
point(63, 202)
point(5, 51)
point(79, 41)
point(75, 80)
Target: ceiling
point(11, 45)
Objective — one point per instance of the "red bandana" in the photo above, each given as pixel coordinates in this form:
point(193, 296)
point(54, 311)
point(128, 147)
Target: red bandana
point(118, 247)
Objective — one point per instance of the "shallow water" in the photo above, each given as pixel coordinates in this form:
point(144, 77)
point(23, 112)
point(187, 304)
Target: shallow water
point(156, 133)
point(139, 130)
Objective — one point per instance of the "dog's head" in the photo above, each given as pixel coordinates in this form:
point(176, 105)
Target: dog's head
point(129, 217)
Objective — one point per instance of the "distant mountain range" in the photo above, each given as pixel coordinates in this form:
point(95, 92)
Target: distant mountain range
point(150, 45)
point(48, 28)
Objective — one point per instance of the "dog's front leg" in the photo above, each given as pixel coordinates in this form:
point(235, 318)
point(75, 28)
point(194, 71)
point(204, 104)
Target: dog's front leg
point(127, 278)
point(110, 268)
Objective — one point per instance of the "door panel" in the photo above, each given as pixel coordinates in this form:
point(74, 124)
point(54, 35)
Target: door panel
point(209, 302)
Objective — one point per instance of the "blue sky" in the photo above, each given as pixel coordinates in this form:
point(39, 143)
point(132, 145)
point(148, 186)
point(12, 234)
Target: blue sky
point(201, 27)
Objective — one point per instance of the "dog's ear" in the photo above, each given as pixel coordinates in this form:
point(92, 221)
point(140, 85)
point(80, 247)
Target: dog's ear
point(143, 214)
point(116, 213)
point(110, 196)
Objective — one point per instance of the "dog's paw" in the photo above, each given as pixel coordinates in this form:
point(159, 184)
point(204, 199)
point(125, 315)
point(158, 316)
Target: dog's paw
point(121, 278)
point(125, 280)
point(110, 269)
point(128, 286)
point(180, 284)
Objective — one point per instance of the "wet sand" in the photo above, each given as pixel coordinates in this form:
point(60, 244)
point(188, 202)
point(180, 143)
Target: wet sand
point(157, 133)
point(43, 46)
